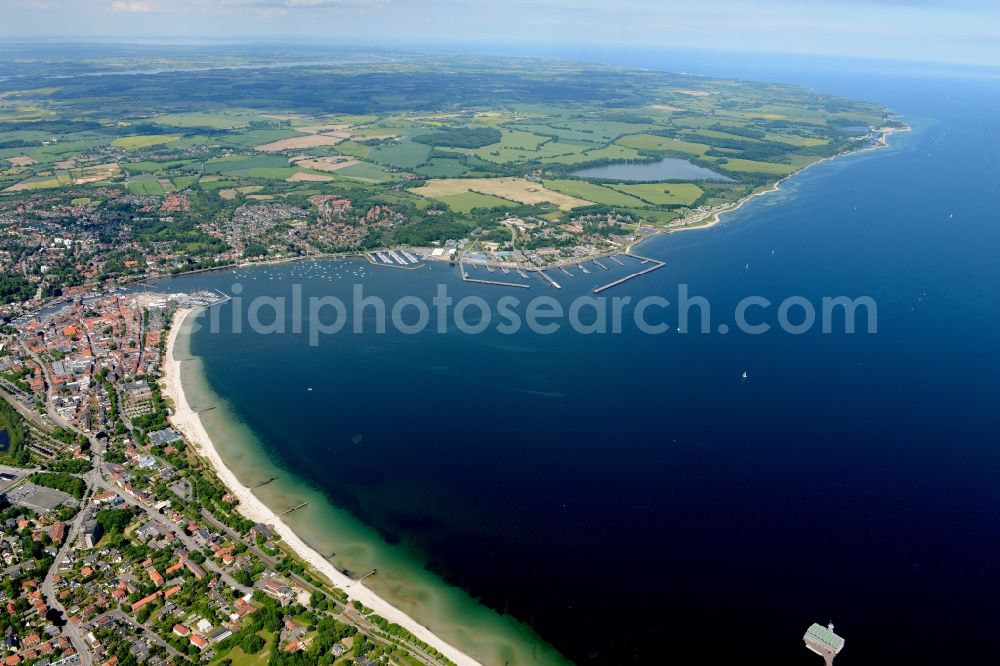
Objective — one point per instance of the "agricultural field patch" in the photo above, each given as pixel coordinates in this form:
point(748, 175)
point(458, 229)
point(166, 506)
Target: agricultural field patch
point(300, 142)
point(466, 201)
point(140, 141)
point(515, 189)
point(334, 163)
point(404, 154)
point(442, 167)
point(364, 171)
point(593, 192)
point(663, 194)
point(650, 142)
point(613, 152)
point(145, 184)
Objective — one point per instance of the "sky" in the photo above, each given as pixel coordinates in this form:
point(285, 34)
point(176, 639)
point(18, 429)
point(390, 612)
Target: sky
point(954, 31)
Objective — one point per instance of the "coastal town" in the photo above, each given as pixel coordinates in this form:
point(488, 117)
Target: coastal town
point(124, 536)
point(119, 543)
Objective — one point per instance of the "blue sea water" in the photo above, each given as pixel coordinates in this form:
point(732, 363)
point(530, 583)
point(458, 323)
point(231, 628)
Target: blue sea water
point(634, 500)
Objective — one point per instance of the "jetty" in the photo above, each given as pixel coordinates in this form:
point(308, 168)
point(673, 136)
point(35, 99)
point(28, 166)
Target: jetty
point(563, 269)
point(615, 259)
point(264, 483)
point(204, 409)
point(522, 273)
point(650, 269)
point(549, 278)
point(583, 268)
point(499, 283)
point(599, 264)
point(288, 511)
point(370, 573)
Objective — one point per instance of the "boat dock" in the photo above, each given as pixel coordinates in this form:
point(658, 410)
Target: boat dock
point(393, 259)
point(599, 264)
point(549, 278)
point(466, 278)
point(522, 273)
point(581, 267)
point(650, 269)
point(563, 269)
point(264, 483)
point(615, 259)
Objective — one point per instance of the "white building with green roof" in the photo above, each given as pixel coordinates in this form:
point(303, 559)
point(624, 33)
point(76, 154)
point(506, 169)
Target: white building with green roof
point(823, 641)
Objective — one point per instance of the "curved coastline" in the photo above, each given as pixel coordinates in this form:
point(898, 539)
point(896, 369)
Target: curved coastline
point(431, 610)
point(710, 220)
point(442, 616)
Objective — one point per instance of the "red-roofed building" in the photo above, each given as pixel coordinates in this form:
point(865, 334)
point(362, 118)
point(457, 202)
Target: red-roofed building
point(155, 576)
point(145, 600)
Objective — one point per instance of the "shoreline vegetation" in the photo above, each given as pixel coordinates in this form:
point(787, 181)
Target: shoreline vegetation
point(188, 422)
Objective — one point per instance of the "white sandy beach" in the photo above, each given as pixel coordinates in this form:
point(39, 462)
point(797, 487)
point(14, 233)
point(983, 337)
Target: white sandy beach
point(187, 421)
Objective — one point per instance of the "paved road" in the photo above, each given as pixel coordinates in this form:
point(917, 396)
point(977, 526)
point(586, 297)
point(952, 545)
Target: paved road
point(120, 615)
point(48, 589)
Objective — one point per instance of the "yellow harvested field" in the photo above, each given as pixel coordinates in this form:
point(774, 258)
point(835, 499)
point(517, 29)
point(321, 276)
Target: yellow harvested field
point(21, 161)
point(323, 163)
point(308, 177)
point(300, 142)
point(96, 173)
point(695, 93)
point(665, 107)
point(323, 129)
point(515, 189)
point(65, 164)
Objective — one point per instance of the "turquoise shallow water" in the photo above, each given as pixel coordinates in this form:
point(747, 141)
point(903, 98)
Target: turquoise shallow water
point(629, 496)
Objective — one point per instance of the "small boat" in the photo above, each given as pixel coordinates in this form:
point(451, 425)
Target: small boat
point(744, 374)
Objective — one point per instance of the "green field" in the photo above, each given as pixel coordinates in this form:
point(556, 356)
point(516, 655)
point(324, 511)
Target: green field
point(364, 171)
point(442, 167)
point(404, 154)
point(145, 184)
point(466, 201)
point(593, 192)
point(612, 152)
point(663, 194)
point(140, 141)
point(217, 120)
point(238, 163)
point(649, 142)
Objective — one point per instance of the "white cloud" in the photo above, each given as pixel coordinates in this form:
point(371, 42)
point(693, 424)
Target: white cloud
point(135, 6)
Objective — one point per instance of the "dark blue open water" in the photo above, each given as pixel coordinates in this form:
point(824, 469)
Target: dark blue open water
point(634, 500)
